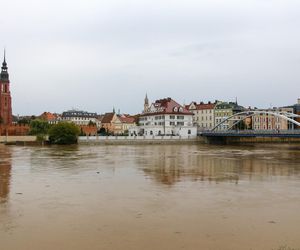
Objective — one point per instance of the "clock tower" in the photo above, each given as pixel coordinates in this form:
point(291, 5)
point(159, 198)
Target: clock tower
point(5, 97)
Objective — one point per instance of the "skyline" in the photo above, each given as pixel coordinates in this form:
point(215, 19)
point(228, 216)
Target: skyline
point(96, 56)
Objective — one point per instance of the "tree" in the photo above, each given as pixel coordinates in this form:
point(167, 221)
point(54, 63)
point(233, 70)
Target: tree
point(64, 133)
point(39, 127)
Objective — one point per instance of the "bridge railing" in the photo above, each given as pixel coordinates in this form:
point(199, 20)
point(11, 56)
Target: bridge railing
point(296, 132)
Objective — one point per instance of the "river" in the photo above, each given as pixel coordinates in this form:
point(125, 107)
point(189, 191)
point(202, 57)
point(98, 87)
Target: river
point(150, 197)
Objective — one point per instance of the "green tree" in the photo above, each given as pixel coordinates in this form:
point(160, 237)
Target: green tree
point(39, 127)
point(64, 133)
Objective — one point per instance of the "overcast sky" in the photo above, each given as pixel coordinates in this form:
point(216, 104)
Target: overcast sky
point(93, 55)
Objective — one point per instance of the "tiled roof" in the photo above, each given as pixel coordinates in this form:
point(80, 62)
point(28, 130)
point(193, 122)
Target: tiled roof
point(78, 113)
point(107, 118)
point(126, 119)
point(202, 106)
point(167, 106)
point(48, 116)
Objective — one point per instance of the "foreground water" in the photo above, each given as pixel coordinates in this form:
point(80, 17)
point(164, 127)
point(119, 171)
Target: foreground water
point(150, 197)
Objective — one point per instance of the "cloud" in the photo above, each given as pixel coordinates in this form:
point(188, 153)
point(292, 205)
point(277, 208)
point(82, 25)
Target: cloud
point(99, 54)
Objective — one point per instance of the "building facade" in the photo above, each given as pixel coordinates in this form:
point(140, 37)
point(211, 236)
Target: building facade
point(111, 124)
point(223, 111)
point(271, 122)
point(204, 117)
point(81, 118)
point(165, 117)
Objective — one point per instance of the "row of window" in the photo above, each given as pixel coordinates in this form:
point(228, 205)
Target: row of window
point(202, 118)
point(162, 123)
point(206, 111)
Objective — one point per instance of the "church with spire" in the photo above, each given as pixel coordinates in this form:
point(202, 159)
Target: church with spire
point(5, 97)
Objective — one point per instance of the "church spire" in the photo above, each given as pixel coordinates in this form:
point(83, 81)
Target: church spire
point(146, 103)
point(4, 74)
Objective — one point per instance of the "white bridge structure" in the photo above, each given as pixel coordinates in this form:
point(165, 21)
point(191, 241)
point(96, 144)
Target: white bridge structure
point(241, 116)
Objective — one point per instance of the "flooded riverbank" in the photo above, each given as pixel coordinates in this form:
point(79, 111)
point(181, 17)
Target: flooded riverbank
point(150, 197)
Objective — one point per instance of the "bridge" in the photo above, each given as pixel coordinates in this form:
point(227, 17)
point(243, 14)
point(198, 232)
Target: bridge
point(220, 135)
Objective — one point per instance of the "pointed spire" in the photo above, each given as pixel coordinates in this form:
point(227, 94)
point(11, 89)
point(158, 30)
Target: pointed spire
point(4, 74)
point(4, 64)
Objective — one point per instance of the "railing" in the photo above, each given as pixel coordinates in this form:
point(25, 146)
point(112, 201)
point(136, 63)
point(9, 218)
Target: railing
point(249, 133)
point(252, 132)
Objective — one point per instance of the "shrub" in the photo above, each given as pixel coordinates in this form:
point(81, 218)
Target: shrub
point(64, 133)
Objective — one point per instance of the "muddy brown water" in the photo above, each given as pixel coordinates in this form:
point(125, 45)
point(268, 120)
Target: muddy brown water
point(150, 197)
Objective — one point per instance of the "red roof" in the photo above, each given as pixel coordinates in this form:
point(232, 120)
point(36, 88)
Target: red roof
point(202, 106)
point(48, 116)
point(107, 118)
point(167, 106)
point(126, 119)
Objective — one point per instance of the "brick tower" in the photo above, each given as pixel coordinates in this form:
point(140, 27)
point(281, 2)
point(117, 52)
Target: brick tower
point(5, 98)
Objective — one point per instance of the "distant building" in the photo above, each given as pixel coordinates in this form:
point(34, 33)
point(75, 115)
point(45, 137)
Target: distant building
point(165, 117)
point(111, 124)
point(5, 97)
point(81, 118)
point(204, 116)
point(271, 122)
point(51, 118)
point(127, 122)
point(297, 111)
point(223, 111)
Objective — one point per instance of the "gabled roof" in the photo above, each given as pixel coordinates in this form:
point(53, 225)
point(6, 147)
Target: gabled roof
point(201, 105)
point(107, 118)
point(48, 116)
point(126, 119)
point(166, 106)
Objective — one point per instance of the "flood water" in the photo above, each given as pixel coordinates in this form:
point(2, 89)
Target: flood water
point(150, 197)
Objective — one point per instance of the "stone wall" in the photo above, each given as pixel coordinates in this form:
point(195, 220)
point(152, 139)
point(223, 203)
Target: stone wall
point(4, 139)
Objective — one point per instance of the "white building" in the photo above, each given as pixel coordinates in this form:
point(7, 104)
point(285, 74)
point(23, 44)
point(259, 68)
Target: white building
point(165, 117)
point(80, 118)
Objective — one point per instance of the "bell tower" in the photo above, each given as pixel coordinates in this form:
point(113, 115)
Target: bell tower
point(5, 97)
point(146, 104)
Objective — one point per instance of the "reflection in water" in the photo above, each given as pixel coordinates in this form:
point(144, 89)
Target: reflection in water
point(175, 164)
point(5, 175)
point(150, 197)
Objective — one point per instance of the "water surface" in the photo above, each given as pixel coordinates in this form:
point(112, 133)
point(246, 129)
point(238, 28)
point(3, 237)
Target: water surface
point(150, 197)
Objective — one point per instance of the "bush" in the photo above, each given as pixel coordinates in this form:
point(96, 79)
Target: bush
point(64, 133)
point(39, 127)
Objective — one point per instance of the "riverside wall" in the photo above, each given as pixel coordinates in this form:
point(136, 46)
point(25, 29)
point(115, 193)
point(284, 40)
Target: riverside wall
point(249, 140)
point(14, 139)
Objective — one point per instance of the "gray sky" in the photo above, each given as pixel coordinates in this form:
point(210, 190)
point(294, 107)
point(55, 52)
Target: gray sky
point(94, 55)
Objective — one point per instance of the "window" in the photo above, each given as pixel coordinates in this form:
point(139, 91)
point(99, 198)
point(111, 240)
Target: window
point(189, 132)
point(180, 117)
point(172, 123)
point(172, 116)
point(180, 123)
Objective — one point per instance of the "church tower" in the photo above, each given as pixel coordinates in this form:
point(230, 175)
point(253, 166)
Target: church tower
point(5, 98)
point(146, 104)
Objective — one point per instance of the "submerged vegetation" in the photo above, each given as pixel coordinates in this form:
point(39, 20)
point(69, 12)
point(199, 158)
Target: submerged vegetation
point(63, 133)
